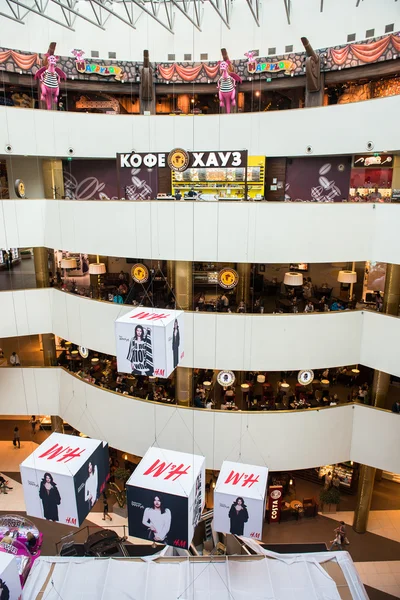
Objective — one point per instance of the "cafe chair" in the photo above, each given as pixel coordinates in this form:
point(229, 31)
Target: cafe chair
point(310, 507)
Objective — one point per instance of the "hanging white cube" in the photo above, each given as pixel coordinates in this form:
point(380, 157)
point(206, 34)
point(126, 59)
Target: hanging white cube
point(150, 341)
point(10, 581)
point(166, 496)
point(64, 477)
point(239, 499)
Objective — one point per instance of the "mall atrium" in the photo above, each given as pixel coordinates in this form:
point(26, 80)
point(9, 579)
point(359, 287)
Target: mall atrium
point(199, 299)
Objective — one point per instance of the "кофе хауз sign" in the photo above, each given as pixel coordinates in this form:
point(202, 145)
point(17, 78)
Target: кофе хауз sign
point(229, 159)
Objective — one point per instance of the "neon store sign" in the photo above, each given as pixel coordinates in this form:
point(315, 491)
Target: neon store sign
point(83, 66)
point(271, 67)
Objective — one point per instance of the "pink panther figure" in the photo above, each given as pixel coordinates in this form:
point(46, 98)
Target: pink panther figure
point(50, 77)
point(227, 87)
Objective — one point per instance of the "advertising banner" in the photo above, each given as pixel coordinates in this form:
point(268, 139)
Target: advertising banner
point(275, 494)
point(239, 499)
point(10, 583)
point(64, 477)
point(166, 496)
point(316, 180)
point(150, 341)
point(228, 159)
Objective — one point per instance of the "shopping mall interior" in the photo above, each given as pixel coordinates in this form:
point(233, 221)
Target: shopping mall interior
point(199, 305)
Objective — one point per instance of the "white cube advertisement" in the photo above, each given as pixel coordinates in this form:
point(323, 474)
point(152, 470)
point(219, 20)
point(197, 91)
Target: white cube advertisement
point(239, 499)
point(10, 583)
point(166, 496)
point(64, 477)
point(149, 341)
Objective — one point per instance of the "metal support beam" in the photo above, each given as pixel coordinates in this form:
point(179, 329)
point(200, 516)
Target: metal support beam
point(151, 14)
point(41, 14)
point(101, 5)
point(287, 8)
point(216, 4)
point(321, 8)
point(254, 6)
point(71, 8)
point(197, 11)
point(12, 18)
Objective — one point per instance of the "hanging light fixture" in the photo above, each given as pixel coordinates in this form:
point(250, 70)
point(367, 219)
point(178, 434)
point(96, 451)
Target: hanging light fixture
point(207, 384)
point(291, 278)
point(347, 276)
point(260, 378)
point(74, 352)
point(68, 263)
point(245, 387)
point(97, 268)
point(95, 360)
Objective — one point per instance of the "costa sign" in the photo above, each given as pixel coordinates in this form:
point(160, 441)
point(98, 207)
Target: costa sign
point(274, 503)
point(220, 159)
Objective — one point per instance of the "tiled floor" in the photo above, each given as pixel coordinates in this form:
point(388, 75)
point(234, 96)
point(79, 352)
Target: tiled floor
point(385, 523)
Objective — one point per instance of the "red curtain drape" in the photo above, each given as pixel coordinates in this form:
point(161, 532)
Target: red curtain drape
point(367, 53)
point(23, 61)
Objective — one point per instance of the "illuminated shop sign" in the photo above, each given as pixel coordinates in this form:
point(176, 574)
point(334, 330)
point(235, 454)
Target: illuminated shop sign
point(229, 159)
point(374, 160)
point(82, 66)
point(271, 67)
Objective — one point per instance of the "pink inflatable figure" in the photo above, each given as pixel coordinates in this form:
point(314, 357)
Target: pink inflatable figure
point(227, 86)
point(50, 77)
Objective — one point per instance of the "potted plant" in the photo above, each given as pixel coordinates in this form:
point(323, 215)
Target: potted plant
point(329, 499)
point(119, 491)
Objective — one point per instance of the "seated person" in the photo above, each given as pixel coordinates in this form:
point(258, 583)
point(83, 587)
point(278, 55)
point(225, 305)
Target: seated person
point(337, 306)
point(198, 401)
point(30, 542)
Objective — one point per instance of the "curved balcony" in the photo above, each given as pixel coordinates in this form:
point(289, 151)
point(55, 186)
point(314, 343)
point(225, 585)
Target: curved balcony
point(265, 232)
point(218, 340)
point(337, 129)
point(338, 434)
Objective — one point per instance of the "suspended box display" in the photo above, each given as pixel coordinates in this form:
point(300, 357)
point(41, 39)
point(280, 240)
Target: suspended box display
point(166, 496)
point(150, 341)
point(239, 499)
point(10, 584)
point(64, 477)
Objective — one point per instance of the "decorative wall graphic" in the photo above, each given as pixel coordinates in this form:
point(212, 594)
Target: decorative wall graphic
point(188, 73)
point(368, 160)
point(50, 77)
point(64, 477)
point(227, 86)
point(226, 378)
point(19, 187)
point(315, 180)
point(84, 66)
point(178, 160)
point(166, 496)
point(23, 61)
point(271, 67)
point(305, 377)
point(140, 273)
point(150, 341)
point(90, 179)
point(228, 278)
point(239, 499)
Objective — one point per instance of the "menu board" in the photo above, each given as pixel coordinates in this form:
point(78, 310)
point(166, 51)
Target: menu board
point(194, 175)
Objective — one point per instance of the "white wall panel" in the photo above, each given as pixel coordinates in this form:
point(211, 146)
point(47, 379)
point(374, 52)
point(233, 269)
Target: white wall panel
point(218, 340)
point(324, 436)
point(275, 133)
point(260, 232)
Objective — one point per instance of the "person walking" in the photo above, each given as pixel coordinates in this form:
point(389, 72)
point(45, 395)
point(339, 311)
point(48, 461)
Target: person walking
point(16, 438)
point(340, 537)
point(105, 510)
point(33, 424)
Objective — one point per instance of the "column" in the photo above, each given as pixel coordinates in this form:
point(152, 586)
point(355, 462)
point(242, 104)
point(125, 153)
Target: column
point(53, 179)
point(41, 260)
point(171, 273)
point(57, 424)
point(243, 286)
point(183, 285)
point(364, 497)
point(49, 349)
point(183, 277)
point(391, 301)
point(184, 386)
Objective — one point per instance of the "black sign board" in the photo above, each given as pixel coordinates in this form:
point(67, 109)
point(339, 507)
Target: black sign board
point(395, 195)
